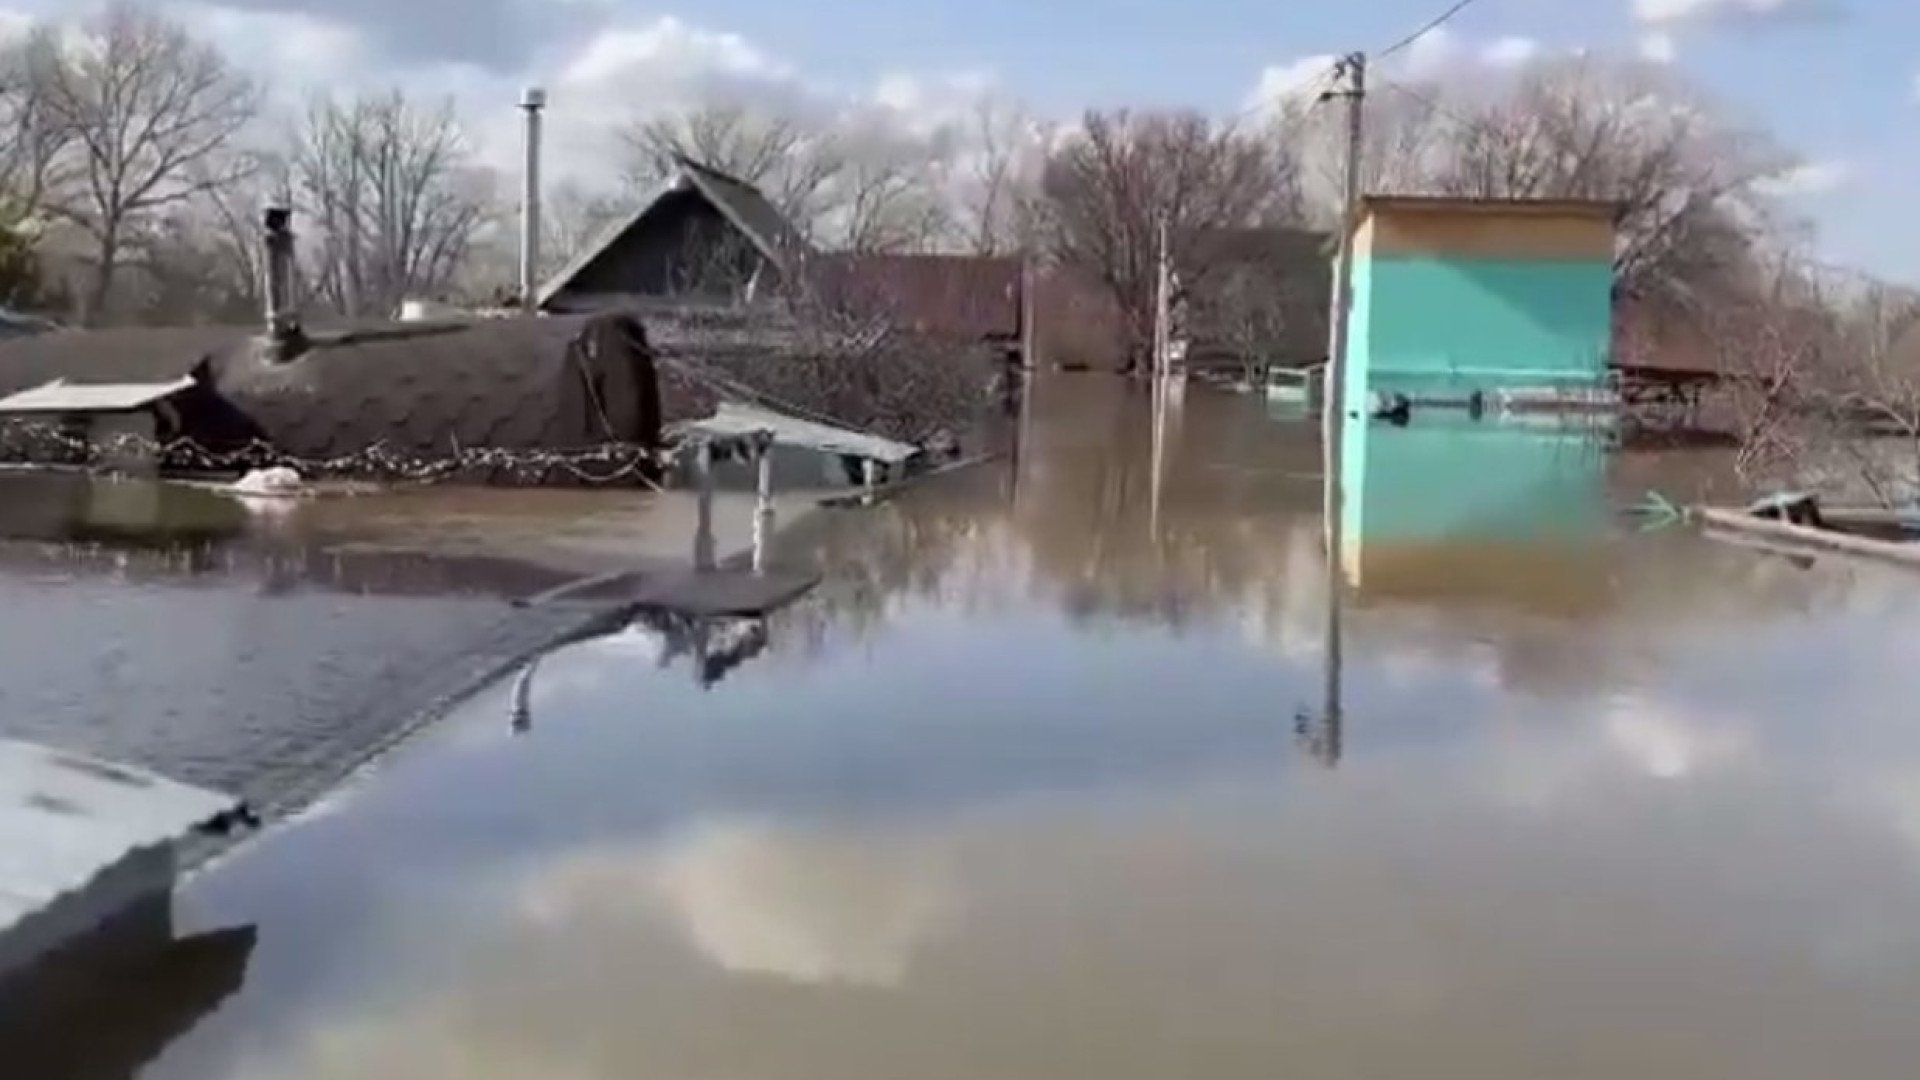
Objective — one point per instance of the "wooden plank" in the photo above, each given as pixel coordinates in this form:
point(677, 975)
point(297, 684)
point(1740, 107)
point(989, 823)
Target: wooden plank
point(1902, 554)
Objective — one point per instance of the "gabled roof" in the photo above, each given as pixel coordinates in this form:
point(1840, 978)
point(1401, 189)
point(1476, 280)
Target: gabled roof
point(741, 203)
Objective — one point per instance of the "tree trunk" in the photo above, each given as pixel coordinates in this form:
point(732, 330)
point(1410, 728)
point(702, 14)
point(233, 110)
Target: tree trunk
point(100, 295)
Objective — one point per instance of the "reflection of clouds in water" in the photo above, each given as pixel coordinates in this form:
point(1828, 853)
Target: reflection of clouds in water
point(1632, 737)
point(806, 905)
point(418, 1049)
point(1665, 743)
point(574, 983)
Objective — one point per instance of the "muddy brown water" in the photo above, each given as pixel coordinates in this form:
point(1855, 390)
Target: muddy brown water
point(1046, 781)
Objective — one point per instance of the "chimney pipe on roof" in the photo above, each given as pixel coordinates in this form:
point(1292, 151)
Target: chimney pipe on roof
point(283, 326)
point(531, 102)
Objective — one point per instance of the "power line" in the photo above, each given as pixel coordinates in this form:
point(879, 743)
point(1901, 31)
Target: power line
point(1434, 24)
point(1311, 90)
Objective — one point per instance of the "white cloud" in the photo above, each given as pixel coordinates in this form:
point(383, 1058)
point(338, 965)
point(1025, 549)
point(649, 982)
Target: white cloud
point(288, 49)
point(669, 52)
point(1659, 47)
point(1438, 53)
point(1432, 52)
point(1674, 12)
point(1809, 178)
point(1511, 52)
point(1293, 80)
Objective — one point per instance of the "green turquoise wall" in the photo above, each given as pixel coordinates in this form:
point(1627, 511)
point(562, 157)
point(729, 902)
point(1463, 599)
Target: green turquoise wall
point(1450, 325)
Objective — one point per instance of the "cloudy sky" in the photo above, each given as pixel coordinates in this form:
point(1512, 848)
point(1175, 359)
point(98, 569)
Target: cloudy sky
point(1837, 80)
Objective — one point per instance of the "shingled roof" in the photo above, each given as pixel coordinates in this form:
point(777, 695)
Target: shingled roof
point(743, 205)
point(409, 389)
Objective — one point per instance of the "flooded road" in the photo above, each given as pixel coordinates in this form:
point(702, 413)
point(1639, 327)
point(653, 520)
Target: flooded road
point(1044, 782)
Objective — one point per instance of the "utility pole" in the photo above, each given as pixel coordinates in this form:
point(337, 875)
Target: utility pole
point(1351, 71)
point(1351, 74)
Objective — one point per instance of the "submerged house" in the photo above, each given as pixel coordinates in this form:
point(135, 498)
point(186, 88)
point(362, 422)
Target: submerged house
point(704, 237)
point(372, 399)
point(707, 239)
point(1458, 297)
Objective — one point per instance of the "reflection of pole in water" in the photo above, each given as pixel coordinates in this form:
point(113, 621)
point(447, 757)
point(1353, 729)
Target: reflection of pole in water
point(1159, 458)
point(522, 711)
point(1323, 735)
point(1327, 746)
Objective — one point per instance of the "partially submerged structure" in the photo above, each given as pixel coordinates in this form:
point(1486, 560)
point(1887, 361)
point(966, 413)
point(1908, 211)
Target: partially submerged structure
point(703, 236)
point(707, 239)
point(1454, 298)
point(362, 400)
point(84, 842)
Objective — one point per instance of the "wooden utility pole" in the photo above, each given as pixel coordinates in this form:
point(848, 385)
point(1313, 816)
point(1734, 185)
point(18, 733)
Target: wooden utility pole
point(1351, 72)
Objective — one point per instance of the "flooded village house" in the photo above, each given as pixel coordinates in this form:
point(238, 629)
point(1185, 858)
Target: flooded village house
point(704, 293)
point(1469, 313)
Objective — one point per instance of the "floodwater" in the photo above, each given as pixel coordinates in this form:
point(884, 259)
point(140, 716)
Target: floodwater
point(1057, 776)
point(263, 647)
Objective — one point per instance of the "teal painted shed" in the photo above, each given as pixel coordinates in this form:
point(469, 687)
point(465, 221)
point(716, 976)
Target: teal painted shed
point(1454, 296)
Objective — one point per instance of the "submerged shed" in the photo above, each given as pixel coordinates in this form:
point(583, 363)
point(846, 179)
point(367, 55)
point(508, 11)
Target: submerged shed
point(82, 842)
point(403, 391)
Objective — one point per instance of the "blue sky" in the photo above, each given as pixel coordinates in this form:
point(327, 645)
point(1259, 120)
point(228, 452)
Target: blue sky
point(1834, 80)
point(1836, 84)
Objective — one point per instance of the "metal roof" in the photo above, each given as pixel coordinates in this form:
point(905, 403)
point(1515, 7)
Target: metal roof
point(731, 419)
point(64, 819)
point(61, 396)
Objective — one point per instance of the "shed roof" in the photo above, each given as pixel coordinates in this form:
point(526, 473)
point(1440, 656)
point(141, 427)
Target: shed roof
point(64, 819)
point(731, 419)
point(60, 396)
point(1439, 204)
point(741, 203)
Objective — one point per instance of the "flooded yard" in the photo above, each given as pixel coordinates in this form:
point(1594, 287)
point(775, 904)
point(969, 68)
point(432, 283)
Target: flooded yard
point(1056, 776)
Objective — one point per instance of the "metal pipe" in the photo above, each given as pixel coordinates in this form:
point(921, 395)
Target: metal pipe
point(703, 529)
point(531, 103)
point(763, 507)
point(277, 222)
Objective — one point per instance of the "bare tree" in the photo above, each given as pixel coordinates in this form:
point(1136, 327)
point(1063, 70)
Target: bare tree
point(888, 201)
point(998, 178)
point(1107, 191)
point(1683, 176)
point(32, 135)
point(794, 163)
point(1408, 142)
point(146, 106)
point(391, 190)
point(572, 218)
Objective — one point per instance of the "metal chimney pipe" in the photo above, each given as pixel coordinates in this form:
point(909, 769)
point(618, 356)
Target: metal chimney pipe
point(278, 223)
point(532, 101)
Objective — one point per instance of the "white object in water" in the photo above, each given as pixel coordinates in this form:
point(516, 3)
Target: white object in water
point(430, 311)
point(81, 840)
point(278, 480)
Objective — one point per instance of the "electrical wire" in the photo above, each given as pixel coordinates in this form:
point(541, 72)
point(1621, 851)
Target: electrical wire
point(1433, 24)
point(1312, 88)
